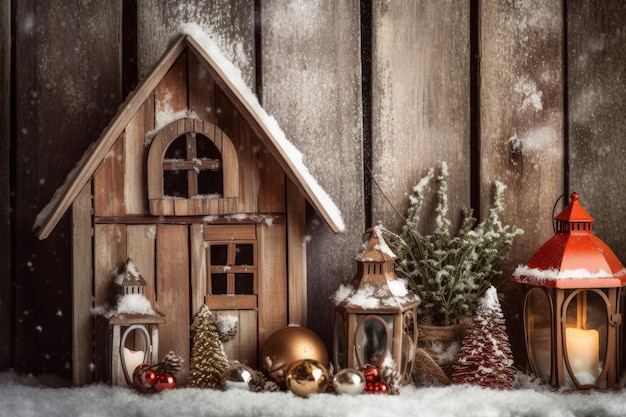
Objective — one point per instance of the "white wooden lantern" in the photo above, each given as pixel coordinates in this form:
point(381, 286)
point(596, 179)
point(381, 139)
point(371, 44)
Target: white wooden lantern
point(132, 335)
point(133, 339)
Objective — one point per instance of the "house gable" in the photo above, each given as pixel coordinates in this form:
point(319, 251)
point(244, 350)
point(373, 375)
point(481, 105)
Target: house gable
point(234, 95)
point(189, 115)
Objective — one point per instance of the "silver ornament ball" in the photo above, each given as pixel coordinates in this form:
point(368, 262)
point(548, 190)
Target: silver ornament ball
point(349, 381)
point(238, 376)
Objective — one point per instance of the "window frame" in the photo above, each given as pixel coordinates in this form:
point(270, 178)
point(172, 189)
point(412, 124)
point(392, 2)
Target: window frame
point(157, 164)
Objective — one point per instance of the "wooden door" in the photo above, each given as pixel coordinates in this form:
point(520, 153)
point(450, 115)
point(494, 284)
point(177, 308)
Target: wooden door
point(231, 286)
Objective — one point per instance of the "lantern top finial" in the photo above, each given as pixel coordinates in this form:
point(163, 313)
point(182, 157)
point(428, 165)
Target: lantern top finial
point(375, 249)
point(574, 213)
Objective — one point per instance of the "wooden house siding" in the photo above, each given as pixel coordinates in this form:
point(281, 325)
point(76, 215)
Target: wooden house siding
point(129, 216)
point(373, 93)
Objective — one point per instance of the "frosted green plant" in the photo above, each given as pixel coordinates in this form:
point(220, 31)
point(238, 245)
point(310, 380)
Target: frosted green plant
point(450, 272)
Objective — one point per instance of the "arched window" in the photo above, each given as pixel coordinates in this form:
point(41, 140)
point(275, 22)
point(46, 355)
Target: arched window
point(192, 170)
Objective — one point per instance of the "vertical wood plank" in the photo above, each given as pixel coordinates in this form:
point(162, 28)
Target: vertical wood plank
point(229, 22)
point(244, 345)
point(135, 198)
point(420, 104)
point(82, 288)
point(201, 91)
point(252, 161)
point(141, 249)
point(198, 268)
point(296, 242)
point(172, 277)
point(521, 110)
point(6, 277)
point(597, 103)
point(108, 182)
point(272, 283)
point(62, 102)
point(171, 93)
point(271, 182)
point(110, 254)
point(248, 337)
point(311, 84)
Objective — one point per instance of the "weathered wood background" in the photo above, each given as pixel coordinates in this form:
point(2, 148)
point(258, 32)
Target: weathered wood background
point(528, 92)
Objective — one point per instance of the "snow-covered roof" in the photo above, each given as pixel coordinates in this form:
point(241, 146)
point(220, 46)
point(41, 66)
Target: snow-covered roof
point(228, 77)
point(378, 290)
point(573, 257)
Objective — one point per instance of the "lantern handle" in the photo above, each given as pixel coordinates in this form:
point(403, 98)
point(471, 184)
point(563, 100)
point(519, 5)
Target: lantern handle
point(553, 209)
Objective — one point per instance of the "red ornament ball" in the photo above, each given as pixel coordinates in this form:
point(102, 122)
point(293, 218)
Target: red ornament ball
point(164, 381)
point(374, 381)
point(143, 376)
point(372, 374)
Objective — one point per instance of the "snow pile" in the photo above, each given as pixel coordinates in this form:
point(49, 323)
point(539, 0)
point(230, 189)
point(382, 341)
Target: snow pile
point(25, 396)
point(538, 276)
point(134, 304)
point(126, 304)
point(368, 297)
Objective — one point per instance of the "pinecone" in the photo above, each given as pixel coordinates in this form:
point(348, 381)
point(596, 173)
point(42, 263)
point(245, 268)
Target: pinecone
point(391, 376)
point(262, 384)
point(172, 363)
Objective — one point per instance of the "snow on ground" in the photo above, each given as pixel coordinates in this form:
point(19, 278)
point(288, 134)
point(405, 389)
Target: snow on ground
point(22, 395)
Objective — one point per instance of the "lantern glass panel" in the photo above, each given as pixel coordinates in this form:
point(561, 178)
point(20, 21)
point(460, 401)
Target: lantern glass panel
point(373, 338)
point(585, 338)
point(134, 350)
point(405, 355)
point(539, 332)
point(340, 340)
point(409, 324)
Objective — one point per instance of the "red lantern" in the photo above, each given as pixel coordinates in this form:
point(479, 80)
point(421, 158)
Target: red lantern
point(572, 307)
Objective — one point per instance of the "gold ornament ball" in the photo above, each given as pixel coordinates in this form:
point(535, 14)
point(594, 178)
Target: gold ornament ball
point(288, 345)
point(349, 381)
point(306, 377)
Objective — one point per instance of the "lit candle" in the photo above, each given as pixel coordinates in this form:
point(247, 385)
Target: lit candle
point(583, 347)
point(132, 358)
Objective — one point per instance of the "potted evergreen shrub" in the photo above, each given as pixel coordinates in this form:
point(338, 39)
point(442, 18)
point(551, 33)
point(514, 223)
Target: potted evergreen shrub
point(449, 272)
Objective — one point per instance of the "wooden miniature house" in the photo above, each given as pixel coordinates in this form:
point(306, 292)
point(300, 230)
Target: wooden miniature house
point(195, 183)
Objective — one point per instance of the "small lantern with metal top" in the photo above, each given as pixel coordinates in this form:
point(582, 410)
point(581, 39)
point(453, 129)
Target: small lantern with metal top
point(375, 315)
point(573, 305)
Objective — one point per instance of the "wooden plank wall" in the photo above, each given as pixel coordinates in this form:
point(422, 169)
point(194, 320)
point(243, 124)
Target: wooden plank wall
point(67, 88)
point(6, 291)
point(521, 109)
point(467, 82)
